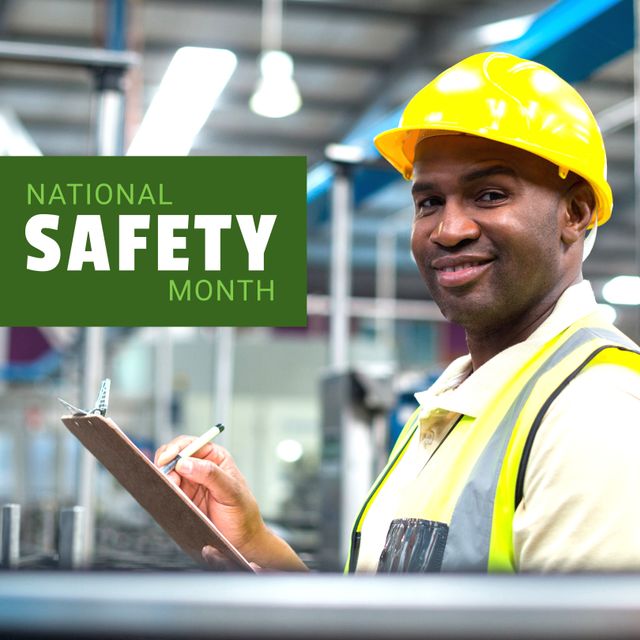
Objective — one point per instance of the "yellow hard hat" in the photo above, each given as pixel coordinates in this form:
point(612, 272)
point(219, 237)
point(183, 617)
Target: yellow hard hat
point(510, 100)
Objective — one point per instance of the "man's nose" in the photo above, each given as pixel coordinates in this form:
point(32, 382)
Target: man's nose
point(455, 225)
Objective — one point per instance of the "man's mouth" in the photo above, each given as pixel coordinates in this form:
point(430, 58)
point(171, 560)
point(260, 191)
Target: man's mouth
point(459, 271)
point(461, 267)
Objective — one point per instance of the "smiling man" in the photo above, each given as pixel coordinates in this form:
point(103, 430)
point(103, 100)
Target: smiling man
point(497, 236)
point(520, 456)
point(523, 455)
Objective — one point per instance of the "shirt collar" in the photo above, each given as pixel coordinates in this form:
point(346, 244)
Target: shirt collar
point(460, 391)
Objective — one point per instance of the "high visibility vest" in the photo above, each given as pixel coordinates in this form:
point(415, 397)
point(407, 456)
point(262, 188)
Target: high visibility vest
point(477, 496)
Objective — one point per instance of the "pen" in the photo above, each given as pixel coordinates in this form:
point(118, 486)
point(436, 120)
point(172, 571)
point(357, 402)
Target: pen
point(192, 448)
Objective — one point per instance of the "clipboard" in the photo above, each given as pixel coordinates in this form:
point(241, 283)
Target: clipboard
point(167, 504)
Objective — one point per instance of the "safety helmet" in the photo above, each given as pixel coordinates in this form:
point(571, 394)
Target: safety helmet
point(510, 100)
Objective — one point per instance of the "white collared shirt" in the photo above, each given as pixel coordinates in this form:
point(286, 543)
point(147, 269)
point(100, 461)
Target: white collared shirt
point(580, 509)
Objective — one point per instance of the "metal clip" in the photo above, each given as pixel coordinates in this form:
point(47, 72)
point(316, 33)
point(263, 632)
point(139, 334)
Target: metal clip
point(102, 401)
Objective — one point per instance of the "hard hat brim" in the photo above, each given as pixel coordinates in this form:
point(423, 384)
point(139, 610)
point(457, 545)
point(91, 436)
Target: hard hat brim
point(398, 145)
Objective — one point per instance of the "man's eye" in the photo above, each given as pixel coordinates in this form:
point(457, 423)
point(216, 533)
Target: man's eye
point(429, 203)
point(492, 196)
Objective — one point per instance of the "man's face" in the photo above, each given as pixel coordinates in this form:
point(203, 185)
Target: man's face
point(486, 232)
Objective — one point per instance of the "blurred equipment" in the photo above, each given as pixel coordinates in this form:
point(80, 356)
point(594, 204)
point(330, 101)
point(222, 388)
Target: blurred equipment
point(33, 353)
point(354, 429)
point(72, 544)
point(10, 551)
point(173, 605)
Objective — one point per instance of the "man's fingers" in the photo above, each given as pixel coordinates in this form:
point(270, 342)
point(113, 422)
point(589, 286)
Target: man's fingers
point(175, 478)
point(158, 453)
point(223, 459)
point(215, 560)
point(167, 452)
point(223, 487)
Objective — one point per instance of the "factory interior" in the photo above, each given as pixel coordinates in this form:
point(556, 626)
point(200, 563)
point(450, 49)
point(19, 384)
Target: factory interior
point(311, 413)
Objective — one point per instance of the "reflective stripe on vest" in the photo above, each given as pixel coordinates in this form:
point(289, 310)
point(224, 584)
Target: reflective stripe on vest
point(476, 497)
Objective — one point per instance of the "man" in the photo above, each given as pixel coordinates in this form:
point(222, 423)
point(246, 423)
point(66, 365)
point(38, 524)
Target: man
point(522, 456)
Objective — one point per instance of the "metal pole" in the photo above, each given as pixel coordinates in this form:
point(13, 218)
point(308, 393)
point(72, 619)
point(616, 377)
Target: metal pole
point(110, 113)
point(10, 536)
point(21, 437)
point(116, 25)
point(350, 435)
point(340, 283)
point(163, 387)
point(110, 124)
point(356, 470)
point(110, 117)
point(386, 288)
point(93, 374)
point(48, 528)
point(109, 139)
point(223, 377)
point(271, 25)
point(72, 545)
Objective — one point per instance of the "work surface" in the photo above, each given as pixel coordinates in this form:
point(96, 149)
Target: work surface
point(199, 605)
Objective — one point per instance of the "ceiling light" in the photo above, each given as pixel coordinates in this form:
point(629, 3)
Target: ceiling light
point(622, 290)
point(190, 87)
point(609, 313)
point(276, 94)
point(289, 450)
point(15, 140)
point(348, 153)
point(504, 30)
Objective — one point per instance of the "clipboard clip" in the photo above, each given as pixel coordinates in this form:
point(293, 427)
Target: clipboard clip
point(102, 401)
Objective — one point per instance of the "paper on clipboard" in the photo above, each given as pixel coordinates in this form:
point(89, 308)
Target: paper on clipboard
point(165, 502)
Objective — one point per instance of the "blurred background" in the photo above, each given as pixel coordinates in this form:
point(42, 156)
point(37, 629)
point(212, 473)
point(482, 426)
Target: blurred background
point(311, 413)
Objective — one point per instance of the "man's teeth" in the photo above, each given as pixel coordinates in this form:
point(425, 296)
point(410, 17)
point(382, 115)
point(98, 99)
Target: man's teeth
point(462, 266)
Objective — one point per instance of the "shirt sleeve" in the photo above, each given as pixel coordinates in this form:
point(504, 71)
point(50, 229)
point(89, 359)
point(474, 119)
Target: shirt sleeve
point(580, 509)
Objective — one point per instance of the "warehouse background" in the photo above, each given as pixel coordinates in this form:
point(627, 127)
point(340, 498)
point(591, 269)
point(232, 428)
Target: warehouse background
point(295, 401)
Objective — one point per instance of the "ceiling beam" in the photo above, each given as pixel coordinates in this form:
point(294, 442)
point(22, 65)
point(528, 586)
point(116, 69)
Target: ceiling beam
point(233, 98)
point(331, 9)
point(66, 55)
point(230, 99)
point(324, 58)
point(267, 138)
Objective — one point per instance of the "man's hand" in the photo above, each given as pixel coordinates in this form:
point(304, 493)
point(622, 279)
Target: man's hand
point(212, 480)
point(216, 486)
point(215, 560)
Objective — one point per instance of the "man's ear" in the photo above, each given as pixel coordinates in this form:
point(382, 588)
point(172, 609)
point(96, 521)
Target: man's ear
point(578, 209)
